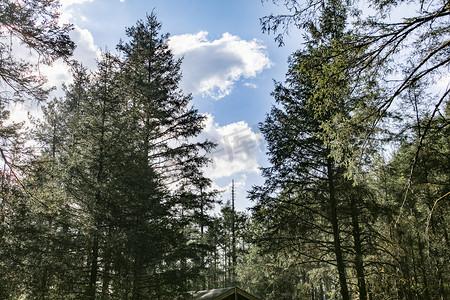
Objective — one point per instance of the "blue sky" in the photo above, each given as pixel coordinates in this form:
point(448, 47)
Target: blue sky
point(229, 66)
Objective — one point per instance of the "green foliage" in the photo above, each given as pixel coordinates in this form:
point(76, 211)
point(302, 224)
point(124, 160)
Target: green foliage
point(112, 203)
point(368, 64)
point(103, 207)
point(327, 124)
point(34, 24)
point(27, 232)
point(227, 240)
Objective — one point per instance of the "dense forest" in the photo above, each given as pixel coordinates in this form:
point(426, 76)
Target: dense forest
point(105, 196)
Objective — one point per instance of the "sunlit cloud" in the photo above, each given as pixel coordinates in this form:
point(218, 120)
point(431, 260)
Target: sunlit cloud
point(212, 68)
point(66, 3)
point(67, 11)
point(238, 147)
point(251, 85)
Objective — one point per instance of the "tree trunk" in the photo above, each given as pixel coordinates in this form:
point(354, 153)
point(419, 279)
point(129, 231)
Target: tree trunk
point(442, 285)
point(92, 288)
point(336, 232)
point(106, 277)
point(233, 241)
point(359, 263)
point(137, 267)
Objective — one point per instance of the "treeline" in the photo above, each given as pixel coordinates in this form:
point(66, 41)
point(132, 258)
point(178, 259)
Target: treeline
point(355, 203)
point(105, 197)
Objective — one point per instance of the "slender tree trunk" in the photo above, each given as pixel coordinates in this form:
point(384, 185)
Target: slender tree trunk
point(444, 292)
point(225, 265)
point(423, 263)
point(202, 234)
point(136, 281)
point(44, 284)
point(216, 279)
point(137, 267)
point(359, 262)
point(321, 291)
point(106, 277)
point(233, 241)
point(405, 285)
point(92, 288)
point(336, 232)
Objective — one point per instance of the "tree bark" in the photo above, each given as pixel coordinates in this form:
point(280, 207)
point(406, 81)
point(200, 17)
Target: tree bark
point(336, 232)
point(106, 277)
point(92, 288)
point(359, 262)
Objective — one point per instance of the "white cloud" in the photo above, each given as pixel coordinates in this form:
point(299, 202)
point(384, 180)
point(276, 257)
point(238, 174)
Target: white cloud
point(252, 85)
point(236, 151)
point(86, 52)
point(66, 3)
point(67, 11)
point(211, 68)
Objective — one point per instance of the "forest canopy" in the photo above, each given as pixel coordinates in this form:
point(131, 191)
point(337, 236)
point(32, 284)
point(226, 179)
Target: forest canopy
point(105, 196)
